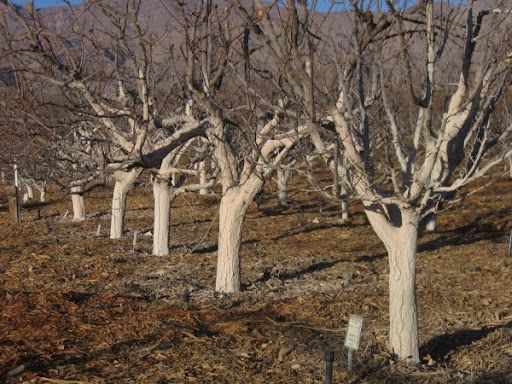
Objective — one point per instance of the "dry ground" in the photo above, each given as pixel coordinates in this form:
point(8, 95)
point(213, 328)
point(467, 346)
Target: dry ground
point(75, 307)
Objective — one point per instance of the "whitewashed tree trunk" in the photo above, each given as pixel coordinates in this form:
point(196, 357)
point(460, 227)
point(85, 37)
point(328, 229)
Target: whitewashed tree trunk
point(41, 188)
point(30, 191)
point(163, 194)
point(344, 202)
point(430, 225)
point(399, 236)
point(282, 186)
point(25, 197)
point(42, 194)
point(233, 206)
point(77, 198)
point(123, 183)
point(202, 177)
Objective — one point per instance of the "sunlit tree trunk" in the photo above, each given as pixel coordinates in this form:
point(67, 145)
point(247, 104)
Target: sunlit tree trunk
point(202, 177)
point(163, 194)
point(77, 198)
point(282, 186)
point(42, 194)
point(30, 191)
point(123, 183)
point(399, 233)
point(233, 207)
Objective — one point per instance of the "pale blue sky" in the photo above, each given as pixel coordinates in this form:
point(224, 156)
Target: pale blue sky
point(47, 3)
point(323, 5)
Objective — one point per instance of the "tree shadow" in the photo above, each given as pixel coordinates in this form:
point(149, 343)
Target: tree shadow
point(36, 204)
point(315, 227)
point(209, 248)
point(295, 209)
point(441, 345)
point(504, 376)
point(481, 228)
point(316, 267)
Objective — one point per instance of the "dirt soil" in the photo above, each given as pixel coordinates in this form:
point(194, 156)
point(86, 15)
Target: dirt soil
point(80, 308)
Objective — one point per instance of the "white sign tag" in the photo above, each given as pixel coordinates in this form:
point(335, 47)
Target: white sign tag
point(355, 323)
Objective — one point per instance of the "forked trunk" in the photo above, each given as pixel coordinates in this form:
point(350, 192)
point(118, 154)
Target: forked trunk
point(77, 198)
point(282, 186)
point(399, 235)
point(123, 183)
point(233, 206)
point(163, 194)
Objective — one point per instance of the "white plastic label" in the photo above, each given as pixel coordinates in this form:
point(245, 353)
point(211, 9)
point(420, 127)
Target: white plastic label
point(355, 324)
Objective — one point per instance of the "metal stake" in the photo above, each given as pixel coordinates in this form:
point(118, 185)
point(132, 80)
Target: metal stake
point(350, 356)
point(329, 359)
point(510, 244)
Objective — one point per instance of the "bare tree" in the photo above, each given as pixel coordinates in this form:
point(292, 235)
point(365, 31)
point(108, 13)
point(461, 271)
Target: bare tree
point(431, 158)
point(245, 154)
point(116, 71)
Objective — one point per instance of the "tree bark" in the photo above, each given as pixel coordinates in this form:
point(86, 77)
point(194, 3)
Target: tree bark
point(30, 191)
point(163, 194)
point(344, 202)
point(282, 186)
point(202, 177)
point(123, 183)
point(42, 195)
point(233, 206)
point(77, 198)
point(430, 225)
point(399, 233)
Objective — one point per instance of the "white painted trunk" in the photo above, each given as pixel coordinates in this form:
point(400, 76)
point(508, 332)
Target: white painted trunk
point(202, 177)
point(162, 195)
point(430, 225)
point(30, 191)
point(233, 206)
point(282, 186)
point(400, 240)
point(42, 195)
point(344, 202)
point(77, 198)
point(123, 183)
point(25, 197)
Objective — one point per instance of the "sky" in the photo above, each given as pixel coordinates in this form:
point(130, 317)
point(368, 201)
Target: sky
point(322, 4)
point(46, 3)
